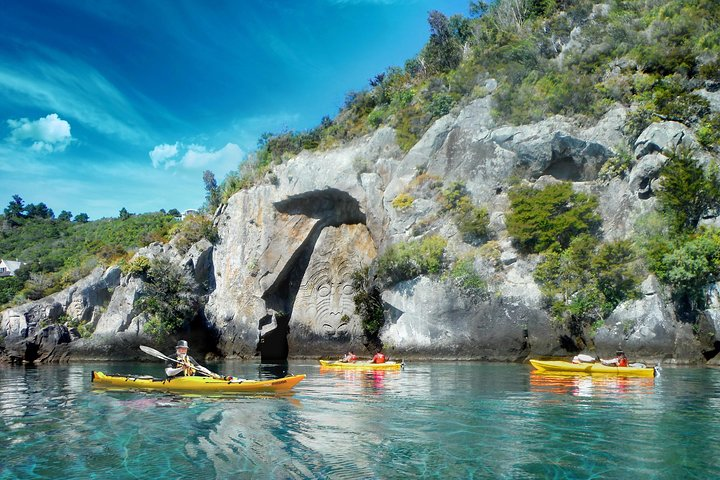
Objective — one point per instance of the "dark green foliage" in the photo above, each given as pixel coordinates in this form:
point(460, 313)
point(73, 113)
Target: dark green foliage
point(9, 287)
point(124, 215)
point(443, 52)
point(408, 260)
point(81, 218)
point(38, 211)
point(688, 264)
point(167, 298)
point(585, 282)
point(15, 209)
point(212, 192)
point(440, 105)
point(368, 302)
point(550, 218)
point(65, 216)
point(688, 191)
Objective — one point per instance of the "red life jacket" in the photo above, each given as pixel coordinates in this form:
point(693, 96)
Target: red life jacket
point(622, 362)
point(379, 358)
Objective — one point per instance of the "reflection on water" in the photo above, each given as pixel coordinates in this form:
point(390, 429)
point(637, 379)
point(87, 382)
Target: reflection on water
point(370, 381)
point(590, 385)
point(451, 420)
point(271, 371)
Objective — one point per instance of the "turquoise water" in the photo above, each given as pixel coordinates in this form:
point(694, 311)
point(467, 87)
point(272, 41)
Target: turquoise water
point(432, 420)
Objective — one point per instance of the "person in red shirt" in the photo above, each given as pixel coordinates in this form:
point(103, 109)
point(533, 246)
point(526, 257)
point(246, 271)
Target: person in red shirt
point(378, 358)
point(349, 357)
point(620, 360)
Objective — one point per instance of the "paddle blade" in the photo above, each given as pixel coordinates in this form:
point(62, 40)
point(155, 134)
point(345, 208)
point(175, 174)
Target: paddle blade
point(153, 352)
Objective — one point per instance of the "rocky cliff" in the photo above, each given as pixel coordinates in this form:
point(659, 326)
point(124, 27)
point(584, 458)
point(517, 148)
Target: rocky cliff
point(278, 280)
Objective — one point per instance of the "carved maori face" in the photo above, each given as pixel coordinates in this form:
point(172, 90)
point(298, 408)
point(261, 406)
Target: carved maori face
point(327, 297)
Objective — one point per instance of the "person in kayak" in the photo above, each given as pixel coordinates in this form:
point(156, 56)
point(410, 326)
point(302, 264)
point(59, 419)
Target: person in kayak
point(378, 358)
point(349, 357)
point(620, 360)
point(186, 367)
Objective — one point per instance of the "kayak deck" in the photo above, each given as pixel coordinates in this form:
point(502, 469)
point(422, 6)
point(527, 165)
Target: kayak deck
point(362, 365)
point(563, 367)
point(196, 383)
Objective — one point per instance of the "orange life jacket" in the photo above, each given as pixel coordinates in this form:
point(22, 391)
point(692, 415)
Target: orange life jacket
point(379, 358)
point(622, 362)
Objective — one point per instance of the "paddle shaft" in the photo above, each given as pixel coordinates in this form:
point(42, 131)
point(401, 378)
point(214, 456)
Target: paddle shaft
point(157, 354)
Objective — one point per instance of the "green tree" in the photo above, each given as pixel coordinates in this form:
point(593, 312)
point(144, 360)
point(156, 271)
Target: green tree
point(81, 218)
point(124, 215)
point(15, 211)
point(39, 211)
point(550, 218)
point(212, 191)
point(443, 52)
point(368, 302)
point(65, 216)
point(688, 191)
point(173, 212)
point(167, 298)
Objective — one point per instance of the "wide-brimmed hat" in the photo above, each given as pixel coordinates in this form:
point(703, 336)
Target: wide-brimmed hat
point(181, 344)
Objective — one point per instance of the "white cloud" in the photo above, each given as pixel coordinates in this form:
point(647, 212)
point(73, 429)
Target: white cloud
point(194, 156)
point(162, 155)
point(47, 134)
point(198, 156)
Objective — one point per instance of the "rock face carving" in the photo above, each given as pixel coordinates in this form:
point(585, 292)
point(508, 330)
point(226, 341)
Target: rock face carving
point(324, 306)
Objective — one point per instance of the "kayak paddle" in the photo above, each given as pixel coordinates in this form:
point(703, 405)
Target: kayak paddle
point(199, 368)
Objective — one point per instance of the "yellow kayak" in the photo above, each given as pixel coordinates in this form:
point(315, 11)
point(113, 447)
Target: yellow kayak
point(361, 365)
point(196, 384)
point(569, 368)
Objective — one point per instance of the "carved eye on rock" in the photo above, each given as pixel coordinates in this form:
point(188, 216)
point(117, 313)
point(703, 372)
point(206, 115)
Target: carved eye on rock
point(347, 290)
point(324, 290)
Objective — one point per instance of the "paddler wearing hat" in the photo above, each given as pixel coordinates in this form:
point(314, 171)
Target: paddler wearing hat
point(184, 367)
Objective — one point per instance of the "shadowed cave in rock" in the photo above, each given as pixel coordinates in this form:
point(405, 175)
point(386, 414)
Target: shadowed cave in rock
point(332, 208)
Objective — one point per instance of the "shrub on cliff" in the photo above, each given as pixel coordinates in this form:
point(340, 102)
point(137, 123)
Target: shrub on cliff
point(408, 260)
point(472, 221)
point(689, 264)
point(550, 218)
point(688, 191)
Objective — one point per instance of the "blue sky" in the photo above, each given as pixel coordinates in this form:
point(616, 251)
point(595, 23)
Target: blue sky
point(112, 104)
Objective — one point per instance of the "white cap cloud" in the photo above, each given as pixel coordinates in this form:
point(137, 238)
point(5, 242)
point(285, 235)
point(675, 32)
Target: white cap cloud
point(194, 156)
point(47, 134)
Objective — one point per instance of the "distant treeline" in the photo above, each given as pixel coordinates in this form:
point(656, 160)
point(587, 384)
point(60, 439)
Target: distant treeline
point(58, 251)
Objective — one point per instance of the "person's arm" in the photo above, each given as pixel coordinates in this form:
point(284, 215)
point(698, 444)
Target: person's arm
point(171, 372)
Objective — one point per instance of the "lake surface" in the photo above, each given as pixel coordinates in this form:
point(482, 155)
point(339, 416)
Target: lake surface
point(431, 420)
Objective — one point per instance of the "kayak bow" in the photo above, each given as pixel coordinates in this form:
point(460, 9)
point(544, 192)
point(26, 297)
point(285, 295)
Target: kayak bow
point(196, 384)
